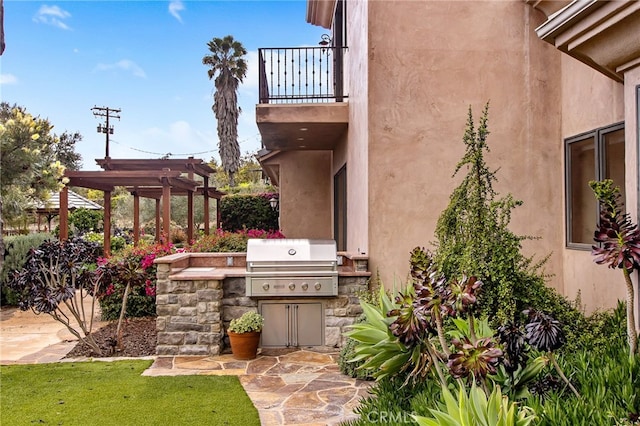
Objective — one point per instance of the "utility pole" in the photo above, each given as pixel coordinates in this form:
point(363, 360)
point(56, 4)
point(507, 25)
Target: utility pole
point(106, 129)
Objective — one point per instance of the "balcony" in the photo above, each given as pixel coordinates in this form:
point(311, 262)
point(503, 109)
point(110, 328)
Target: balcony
point(302, 98)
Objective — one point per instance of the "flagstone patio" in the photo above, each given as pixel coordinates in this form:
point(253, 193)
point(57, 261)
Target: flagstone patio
point(300, 387)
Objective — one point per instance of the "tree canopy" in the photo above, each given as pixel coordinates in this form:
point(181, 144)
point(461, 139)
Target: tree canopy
point(29, 168)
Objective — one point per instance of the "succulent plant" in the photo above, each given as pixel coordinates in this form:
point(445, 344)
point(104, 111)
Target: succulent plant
point(412, 324)
point(543, 332)
point(514, 343)
point(477, 358)
point(619, 241)
point(249, 322)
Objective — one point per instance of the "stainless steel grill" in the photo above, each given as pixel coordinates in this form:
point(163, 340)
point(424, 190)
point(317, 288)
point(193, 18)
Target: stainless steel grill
point(291, 267)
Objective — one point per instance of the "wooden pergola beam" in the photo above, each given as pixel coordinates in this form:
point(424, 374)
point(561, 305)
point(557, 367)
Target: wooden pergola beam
point(158, 179)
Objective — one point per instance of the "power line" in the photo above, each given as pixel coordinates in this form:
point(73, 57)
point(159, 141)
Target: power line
point(169, 154)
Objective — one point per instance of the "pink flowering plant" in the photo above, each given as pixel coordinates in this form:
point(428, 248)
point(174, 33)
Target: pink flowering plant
point(132, 267)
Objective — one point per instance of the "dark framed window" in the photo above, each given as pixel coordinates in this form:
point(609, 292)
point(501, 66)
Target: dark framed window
point(595, 155)
point(340, 208)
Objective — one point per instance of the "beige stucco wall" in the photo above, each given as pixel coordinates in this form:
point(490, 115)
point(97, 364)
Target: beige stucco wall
point(305, 193)
point(358, 207)
point(428, 61)
point(589, 100)
point(632, 148)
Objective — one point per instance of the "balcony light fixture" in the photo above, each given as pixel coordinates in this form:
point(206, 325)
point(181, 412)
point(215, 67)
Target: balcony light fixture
point(325, 40)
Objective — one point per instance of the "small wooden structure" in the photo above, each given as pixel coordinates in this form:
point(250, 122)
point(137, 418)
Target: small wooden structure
point(149, 178)
point(51, 208)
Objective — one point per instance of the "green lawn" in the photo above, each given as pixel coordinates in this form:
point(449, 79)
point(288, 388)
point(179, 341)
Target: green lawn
point(114, 393)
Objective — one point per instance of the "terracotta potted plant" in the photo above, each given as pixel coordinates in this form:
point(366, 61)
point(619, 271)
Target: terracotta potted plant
point(244, 335)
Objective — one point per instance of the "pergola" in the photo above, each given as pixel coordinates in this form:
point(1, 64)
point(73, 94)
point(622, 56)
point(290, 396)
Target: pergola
point(148, 178)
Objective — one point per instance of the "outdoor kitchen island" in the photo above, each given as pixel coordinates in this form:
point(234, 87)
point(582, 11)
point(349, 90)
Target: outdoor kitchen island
point(198, 294)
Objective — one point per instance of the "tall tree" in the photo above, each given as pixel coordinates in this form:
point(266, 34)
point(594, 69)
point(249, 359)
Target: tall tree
point(28, 168)
point(227, 64)
point(65, 152)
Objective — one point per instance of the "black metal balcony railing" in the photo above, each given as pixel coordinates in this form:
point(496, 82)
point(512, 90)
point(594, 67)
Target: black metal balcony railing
point(301, 74)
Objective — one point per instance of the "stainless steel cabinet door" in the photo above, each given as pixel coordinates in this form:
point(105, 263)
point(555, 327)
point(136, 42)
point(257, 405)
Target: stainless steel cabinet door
point(292, 324)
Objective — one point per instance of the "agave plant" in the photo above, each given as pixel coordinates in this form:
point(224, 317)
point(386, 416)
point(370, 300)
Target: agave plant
point(619, 248)
point(476, 409)
point(382, 351)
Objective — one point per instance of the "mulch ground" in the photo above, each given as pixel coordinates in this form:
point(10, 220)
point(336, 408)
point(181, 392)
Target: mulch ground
point(139, 339)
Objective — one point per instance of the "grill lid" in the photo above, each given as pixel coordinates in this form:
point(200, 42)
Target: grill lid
point(288, 250)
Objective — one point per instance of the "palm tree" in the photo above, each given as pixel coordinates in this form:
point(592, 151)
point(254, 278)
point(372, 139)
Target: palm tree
point(227, 65)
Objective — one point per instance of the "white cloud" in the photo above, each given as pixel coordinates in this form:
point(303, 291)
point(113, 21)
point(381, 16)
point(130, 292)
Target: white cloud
point(52, 15)
point(250, 81)
point(175, 7)
point(8, 79)
point(125, 65)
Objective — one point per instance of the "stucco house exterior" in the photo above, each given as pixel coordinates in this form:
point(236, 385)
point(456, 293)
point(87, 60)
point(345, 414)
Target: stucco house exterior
point(369, 163)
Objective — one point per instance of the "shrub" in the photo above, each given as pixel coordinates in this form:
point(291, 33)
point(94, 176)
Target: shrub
point(239, 212)
point(117, 242)
point(56, 275)
point(133, 266)
point(230, 242)
point(473, 237)
point(85, 220)
point(16, 250)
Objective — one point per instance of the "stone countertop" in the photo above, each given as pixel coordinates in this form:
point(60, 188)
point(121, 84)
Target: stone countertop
point(207, 273)
point(220, 273)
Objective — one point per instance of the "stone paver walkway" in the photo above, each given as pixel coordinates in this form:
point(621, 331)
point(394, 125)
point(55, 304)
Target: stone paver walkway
point(288, 388)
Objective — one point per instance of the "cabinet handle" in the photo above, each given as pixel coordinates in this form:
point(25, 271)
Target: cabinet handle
point(288, 314)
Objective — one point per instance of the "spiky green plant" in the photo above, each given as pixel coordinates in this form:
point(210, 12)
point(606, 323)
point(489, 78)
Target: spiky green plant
point(475, 409)
point(619, 248)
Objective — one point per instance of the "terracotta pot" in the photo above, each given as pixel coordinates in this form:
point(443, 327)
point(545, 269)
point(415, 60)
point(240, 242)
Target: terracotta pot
point(244, 345)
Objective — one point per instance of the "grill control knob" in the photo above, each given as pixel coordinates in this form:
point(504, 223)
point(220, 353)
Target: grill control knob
point(292, 286)
point(318, 286)
point(305, 286)
point(265, 287)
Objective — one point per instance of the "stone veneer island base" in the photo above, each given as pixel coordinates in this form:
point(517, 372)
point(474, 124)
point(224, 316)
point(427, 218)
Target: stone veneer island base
point(198, 294)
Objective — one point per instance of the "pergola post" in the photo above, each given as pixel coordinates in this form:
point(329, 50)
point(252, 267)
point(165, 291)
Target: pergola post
point(64, 213)
point(218, 215)
point(190, 217)
point(157, 220)
point(107, 223)
point(206, 205)
point(136, 218)
point(166, 208)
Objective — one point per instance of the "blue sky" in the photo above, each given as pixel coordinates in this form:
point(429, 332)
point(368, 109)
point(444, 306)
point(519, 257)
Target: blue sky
point(144, 57)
